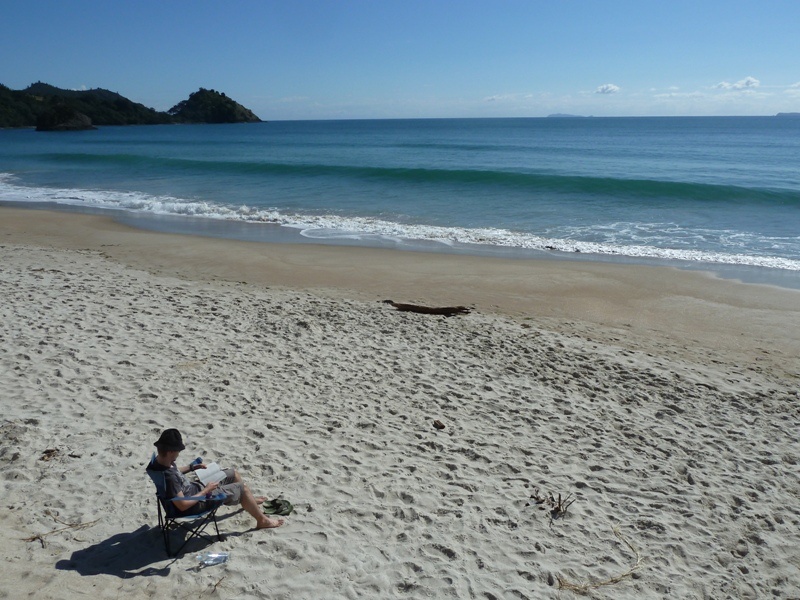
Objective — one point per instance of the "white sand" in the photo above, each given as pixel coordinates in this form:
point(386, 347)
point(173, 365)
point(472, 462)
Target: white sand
point(671, 416)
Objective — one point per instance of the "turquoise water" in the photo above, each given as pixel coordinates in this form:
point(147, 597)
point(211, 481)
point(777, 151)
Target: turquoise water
point(700, 191)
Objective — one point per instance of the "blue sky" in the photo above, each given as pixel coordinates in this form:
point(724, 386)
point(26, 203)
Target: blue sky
point(303, 59)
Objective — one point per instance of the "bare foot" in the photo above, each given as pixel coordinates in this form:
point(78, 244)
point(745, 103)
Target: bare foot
point(260, 499)
point(269, 523)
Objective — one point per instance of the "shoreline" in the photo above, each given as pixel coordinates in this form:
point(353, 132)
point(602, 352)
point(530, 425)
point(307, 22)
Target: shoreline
point(637, 300)
point(663, 402)
point(275, 233)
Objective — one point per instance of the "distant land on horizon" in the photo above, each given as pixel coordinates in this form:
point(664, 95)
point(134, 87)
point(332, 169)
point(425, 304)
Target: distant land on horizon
point(49, 108)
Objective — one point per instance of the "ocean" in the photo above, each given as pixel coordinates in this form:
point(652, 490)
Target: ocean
point(715, 193)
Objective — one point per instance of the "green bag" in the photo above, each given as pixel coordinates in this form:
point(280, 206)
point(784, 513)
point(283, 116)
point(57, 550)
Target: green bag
point(278, 506)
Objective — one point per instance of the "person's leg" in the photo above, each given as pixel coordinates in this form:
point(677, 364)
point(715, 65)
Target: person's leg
point(238, 492)
point(251, 504)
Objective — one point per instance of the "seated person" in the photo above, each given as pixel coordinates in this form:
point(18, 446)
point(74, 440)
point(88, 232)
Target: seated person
point(236, 491)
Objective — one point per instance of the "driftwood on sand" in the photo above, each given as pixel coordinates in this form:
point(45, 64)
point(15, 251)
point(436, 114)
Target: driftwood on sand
point(558, 508)
point(447, 311)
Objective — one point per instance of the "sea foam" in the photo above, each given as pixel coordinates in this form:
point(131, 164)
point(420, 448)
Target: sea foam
point(321, 227)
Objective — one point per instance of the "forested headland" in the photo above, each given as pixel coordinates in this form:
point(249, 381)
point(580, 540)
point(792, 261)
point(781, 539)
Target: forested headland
point(47, 107)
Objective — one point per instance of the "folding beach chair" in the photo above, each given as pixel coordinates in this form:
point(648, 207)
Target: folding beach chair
point(170, 520)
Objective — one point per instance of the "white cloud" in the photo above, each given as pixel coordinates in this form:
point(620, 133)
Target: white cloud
point(607, 88)
point(748, 83)
point(793, 90)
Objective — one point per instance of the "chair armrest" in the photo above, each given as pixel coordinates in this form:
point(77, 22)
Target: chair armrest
point(214, 497)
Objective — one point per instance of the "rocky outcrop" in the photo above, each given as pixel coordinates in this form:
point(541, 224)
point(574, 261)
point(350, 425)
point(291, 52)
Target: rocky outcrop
point(210, 106)
point(63, 118)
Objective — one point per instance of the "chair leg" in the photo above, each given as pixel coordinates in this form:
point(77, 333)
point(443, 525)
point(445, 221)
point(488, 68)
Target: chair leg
point(196, 530)
point(193, 529)
point(219, 536)
point(163, 524)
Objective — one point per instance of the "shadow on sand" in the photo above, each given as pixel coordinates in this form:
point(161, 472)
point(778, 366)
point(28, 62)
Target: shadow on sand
point(127, 555)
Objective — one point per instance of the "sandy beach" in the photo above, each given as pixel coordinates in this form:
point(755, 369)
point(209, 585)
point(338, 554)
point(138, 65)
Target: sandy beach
point(665, 403)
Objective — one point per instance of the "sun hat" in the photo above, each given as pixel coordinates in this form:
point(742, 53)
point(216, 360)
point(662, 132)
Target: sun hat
point(170, 440)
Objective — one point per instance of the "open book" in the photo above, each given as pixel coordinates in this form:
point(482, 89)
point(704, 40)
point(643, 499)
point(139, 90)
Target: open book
point(211, 474)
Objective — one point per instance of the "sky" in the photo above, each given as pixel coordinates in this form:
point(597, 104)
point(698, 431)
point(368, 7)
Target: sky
point(355, 59)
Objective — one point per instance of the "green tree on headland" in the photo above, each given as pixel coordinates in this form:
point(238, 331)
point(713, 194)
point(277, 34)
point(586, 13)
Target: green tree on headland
point(15, 109)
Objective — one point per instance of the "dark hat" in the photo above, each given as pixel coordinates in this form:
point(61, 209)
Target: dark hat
point(170, 440)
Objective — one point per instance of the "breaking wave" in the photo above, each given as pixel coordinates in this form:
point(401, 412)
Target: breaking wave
point(635, 240)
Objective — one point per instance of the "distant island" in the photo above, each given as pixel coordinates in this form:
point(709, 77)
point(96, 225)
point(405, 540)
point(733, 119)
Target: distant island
point(793, 115)
point(49, 108)
point(565, 116)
